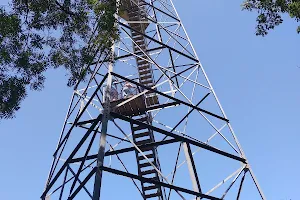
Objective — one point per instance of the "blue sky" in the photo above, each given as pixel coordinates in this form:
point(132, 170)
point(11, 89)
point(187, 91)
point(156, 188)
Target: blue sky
point(256, 79)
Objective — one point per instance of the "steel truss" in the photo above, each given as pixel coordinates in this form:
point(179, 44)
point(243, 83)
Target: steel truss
point(189, 134)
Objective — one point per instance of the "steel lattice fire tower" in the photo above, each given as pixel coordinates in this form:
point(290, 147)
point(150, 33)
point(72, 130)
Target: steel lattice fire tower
point(149, 125)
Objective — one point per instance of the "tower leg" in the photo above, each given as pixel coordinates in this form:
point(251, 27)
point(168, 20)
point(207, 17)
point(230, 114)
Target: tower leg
point(100, 158)
point(192, 168)
point(105, 118)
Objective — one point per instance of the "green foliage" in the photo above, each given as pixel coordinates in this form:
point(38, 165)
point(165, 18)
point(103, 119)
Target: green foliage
point(270, 13)
point(36, 35)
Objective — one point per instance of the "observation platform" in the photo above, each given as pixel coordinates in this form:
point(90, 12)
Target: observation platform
point(135, 107)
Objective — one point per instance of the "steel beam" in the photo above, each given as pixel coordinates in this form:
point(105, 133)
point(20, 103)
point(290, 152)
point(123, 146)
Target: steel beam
point(125, 150)
point(162, 184)
point(156, 41)
point(175, 136)
point(192, 168)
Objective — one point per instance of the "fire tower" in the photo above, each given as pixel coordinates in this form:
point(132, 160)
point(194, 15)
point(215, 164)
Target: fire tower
point(149, 125)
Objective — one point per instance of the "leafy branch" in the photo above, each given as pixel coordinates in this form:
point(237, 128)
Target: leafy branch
point(81, 31)
point(270, 13)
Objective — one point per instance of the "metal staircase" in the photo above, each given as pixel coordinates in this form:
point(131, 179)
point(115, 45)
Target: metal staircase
point(142, 136)
point(135, 12)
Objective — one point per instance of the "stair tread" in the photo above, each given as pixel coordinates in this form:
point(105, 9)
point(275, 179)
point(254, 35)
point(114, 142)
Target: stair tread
point(137, 128)
point(142, 61)
point(145, 82)
point(148, 156)
point(146, 77)
point(138, 135)
point(142, 46)
point(138, 37)
point(143, 67)
point(151, 171)
point(143, 57)
point(152, 195)
point(146, 148)
point(147, 164)
point(151, 187)
point(145, 72)
point(142, 142)
point(140, 42)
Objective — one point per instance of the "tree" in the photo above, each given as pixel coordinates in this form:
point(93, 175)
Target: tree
point(270, 13)
point(36, 35)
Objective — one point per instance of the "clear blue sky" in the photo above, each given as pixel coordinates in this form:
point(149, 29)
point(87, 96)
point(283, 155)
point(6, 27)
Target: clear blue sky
point(256, 79)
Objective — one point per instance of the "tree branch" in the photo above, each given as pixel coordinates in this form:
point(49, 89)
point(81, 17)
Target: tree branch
point(67, 11)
